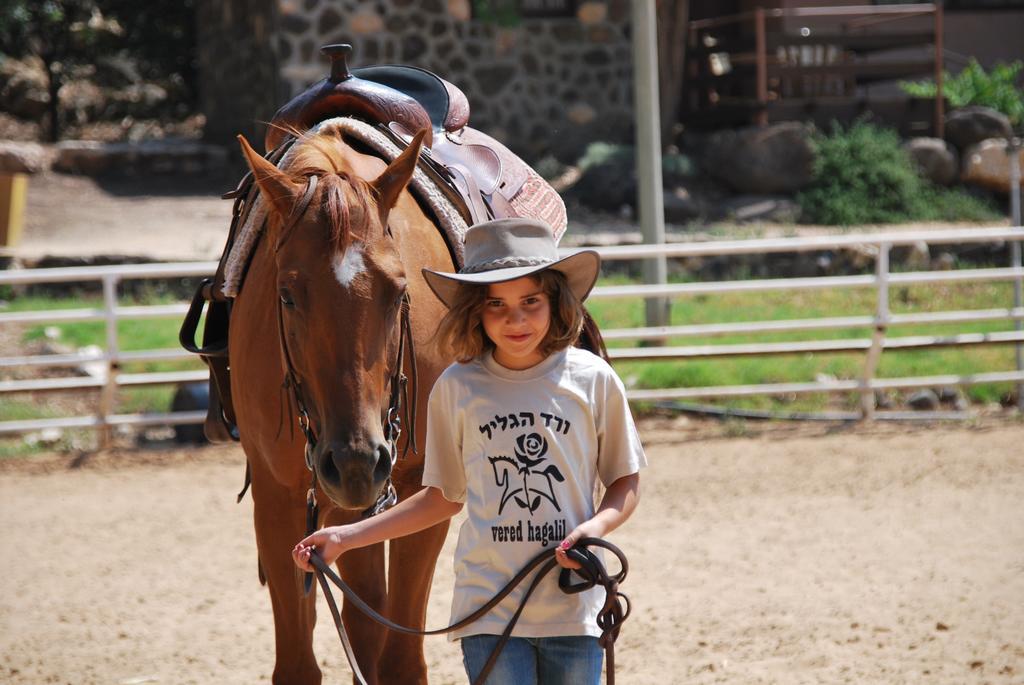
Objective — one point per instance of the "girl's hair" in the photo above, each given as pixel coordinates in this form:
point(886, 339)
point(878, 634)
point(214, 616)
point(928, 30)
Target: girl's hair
point(461, 331)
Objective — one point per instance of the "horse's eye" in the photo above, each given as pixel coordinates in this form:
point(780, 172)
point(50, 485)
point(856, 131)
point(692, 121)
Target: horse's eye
point(286, 297)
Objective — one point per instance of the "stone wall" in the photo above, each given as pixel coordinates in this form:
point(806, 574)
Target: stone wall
point(541, 86)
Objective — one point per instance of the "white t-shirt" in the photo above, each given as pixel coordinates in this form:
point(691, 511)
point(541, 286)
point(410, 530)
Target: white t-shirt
point(523, 450)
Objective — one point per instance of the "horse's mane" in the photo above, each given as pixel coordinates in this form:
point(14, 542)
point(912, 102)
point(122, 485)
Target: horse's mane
point(347, 200)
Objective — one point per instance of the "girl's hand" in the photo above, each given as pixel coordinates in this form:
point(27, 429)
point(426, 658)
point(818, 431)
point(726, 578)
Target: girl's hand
point(584, 530)
point(330, 543)
point(617, 505)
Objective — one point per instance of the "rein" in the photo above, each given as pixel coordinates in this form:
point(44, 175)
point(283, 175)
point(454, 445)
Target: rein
point(392, 421)
point(615, 610)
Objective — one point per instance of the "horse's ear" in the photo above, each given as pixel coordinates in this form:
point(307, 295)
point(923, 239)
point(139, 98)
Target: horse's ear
point(391, 182)
point(274, 185)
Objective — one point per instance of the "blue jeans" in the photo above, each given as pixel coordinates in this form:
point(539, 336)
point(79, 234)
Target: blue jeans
point(567, 660)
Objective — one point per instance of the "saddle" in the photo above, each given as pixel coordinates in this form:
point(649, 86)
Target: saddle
point(481, 177)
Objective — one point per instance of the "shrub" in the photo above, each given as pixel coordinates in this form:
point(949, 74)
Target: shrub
point(997, 89)
point(863, 176)
point(601, 153)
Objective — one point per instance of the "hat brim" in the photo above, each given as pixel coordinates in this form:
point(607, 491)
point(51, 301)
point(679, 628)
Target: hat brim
point(580, 270)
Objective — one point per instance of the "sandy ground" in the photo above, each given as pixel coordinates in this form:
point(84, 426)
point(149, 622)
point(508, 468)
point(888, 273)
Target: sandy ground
point(790, 554)
point(787, 555)
point(163, 219)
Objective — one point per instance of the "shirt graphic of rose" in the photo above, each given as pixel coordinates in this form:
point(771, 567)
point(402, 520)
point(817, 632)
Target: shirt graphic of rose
point(535, 482)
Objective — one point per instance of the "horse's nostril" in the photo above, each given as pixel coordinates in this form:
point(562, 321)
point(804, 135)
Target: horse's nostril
point(383, 468)
point(328, 469)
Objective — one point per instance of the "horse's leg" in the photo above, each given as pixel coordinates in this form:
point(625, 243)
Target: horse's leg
point(279, 516)
point(410, 572)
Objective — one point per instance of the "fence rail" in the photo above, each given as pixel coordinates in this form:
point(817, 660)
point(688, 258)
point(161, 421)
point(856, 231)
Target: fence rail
point(107, 377)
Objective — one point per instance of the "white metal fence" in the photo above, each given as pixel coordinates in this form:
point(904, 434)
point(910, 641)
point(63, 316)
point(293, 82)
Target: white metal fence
point(105, 366)
point(111, 358)
point(881, 321)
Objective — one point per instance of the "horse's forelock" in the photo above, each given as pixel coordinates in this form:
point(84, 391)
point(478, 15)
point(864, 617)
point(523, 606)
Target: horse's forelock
point(346, 199)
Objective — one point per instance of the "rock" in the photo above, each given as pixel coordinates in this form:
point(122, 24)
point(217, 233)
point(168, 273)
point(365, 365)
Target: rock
point(366, 22)
point(608, 178)
point(47, 437)
point(987, 164)
point(139, 100)
point(953, 396)
point(944, 262)
point(680, 205)
point(581, 114)
point(460, 10)
point(87, 157)
point(968, 126)
point(883, 400)
point(592, 12)
point(23, 90)
point(568, 141)
point(924, 400)
point(856, 258)
point(21, 158)
point(918, 256)
point(775, 208)
point(92, 158)
point(762, 160)
point(82, 100)
point(936, 159)
point(98, 368)
point(677, 167)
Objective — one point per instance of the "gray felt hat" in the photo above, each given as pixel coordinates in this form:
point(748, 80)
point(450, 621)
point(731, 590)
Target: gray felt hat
point(507, 249)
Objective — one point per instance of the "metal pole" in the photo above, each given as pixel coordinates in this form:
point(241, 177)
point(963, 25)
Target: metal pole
point(651, 201)
point(940, 103)
point(867, 395)
point(1013, 150)
point(108, 394)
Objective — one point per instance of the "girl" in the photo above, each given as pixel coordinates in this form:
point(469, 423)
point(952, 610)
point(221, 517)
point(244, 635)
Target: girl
point(519, 431)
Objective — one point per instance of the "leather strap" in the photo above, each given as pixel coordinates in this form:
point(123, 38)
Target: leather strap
point(466, 184)
point(593, 573)
point(392, 419)
point(221, 424)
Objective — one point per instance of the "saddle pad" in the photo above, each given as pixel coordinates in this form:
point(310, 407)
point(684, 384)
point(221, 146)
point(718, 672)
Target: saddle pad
point(450, 221)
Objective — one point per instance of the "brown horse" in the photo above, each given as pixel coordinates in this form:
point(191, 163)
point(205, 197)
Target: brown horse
point(323, 294)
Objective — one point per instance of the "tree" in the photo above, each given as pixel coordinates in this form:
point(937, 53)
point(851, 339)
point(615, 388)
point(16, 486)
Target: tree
point(61, 33)
point(160, 38)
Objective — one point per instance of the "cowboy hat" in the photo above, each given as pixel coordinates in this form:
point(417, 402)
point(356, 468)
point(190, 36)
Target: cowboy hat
point(506, 249)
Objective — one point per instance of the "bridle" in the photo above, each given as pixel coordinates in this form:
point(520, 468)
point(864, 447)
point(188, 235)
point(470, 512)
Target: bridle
point(398, 387)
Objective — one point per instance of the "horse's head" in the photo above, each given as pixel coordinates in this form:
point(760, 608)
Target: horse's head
point(340, 284)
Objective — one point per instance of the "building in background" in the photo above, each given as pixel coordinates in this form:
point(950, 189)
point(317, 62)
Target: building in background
point(558, 73)
point(555, 74)
point(756, 61)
